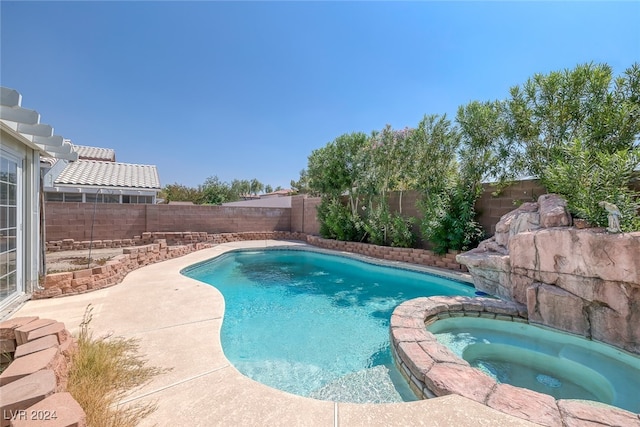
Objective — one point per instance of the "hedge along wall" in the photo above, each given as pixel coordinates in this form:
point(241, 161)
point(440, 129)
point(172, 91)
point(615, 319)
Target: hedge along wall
point(124, 221)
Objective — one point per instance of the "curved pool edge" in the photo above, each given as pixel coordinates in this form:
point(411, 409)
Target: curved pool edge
point(434, 370)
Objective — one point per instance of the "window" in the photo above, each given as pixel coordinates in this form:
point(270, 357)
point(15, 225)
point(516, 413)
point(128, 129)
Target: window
point(73, 197)
point(137, 199)
point(54, 197)
point(110, 198)
point(9, 238)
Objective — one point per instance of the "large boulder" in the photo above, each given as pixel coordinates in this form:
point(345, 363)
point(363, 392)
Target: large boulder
point(553, 211)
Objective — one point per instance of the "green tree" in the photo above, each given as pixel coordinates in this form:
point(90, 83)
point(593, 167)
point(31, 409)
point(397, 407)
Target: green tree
point(268, 189)
point(591, 176)
point(551, 111)
point(256, 186)
point(301, 186)
point(240, 188)
point(215, 192)
point(180, 193)
point(338, 168)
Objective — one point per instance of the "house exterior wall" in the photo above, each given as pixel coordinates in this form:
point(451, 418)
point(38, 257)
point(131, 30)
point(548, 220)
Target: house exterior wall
point(28, 225)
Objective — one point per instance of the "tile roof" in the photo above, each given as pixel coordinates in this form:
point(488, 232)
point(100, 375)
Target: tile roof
point(109, 174)
point(95, 153)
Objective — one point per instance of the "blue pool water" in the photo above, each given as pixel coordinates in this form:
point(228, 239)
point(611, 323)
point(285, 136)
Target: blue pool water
point(314, 324)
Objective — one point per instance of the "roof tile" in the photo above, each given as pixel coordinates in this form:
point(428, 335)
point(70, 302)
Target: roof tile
point(109, 174)
point(95, 153)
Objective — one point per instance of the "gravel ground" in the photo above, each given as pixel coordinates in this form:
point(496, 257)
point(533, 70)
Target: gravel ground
point(78, 260)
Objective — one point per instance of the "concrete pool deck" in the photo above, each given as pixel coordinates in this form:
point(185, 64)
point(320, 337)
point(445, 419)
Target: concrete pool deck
point(177, 321)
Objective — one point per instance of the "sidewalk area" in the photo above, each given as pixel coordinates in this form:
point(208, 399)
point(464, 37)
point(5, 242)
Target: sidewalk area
point(178, 320)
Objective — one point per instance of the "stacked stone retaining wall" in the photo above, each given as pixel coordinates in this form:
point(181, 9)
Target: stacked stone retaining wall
point(414, 256)
point(33, 384)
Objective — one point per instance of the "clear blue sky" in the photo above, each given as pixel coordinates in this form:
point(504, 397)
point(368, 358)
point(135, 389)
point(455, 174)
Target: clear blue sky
point(247, 90)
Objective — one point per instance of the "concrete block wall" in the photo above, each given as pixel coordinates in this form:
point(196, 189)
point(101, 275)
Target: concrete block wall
point(304, 214)
point(491, 205)
point(83, 221)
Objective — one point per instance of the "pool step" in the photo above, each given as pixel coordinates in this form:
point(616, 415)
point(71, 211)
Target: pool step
point(371, 385)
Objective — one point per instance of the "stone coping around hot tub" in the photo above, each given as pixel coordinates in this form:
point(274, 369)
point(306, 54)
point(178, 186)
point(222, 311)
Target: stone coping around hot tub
point(433, 370)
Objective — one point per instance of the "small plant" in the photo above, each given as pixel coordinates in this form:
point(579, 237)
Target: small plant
point(102, 371)
point(402, 235)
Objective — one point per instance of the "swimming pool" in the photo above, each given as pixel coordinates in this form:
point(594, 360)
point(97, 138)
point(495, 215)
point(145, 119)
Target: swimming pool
point(315, 324)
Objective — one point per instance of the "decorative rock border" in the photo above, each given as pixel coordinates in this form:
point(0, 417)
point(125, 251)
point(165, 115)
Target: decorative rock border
point(433, 370)
point(179, 238)
point(33, 384)
point(412, 255)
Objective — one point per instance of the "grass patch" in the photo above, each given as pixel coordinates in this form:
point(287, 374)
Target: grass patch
point(102, 371)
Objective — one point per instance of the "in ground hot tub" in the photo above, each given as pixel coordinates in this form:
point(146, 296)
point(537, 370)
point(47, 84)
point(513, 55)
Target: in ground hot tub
point(547, 361)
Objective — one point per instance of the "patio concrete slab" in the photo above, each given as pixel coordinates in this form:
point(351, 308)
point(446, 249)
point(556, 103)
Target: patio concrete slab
point(228, 398)
point(178, 319)
point(446, 411)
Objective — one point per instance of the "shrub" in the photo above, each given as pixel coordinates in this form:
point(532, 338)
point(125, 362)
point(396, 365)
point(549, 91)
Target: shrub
point(449, 220)
point(337, 221)
point(586, 177)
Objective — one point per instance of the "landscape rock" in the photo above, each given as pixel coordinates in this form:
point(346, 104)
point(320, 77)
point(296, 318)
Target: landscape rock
point(559, 309)
point(59, 409)
point(25, 392)
point(553, 211)
point(8, 327)
point(49, 359)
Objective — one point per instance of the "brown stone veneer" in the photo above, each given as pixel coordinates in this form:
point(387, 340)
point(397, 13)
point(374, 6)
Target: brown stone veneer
point(433, 370)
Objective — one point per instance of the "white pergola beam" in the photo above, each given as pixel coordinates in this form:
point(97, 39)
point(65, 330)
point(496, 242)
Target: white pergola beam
point(27, 124)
